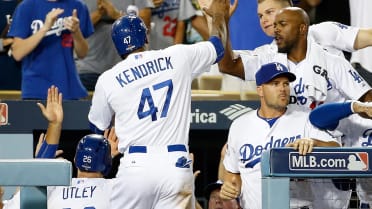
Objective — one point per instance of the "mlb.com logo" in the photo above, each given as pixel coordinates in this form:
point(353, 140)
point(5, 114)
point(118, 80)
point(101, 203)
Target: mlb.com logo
point(358, 162)
point(333, 161)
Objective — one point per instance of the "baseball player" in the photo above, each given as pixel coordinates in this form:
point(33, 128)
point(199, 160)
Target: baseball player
point(359, 136)
point(321, 78)
point(149, 96)
point(92, 159)
point(268, 127)
point(89, 189)
point(332, 36)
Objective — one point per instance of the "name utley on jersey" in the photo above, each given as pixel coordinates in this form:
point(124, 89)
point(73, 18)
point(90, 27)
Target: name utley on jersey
point(84, 193)
point(250, 135)
point(150, 94)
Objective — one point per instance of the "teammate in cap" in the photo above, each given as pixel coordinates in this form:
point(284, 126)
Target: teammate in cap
point(332, 36)
point(90, 189)
point(272, 125)
point(149, 96)
point(92, 159)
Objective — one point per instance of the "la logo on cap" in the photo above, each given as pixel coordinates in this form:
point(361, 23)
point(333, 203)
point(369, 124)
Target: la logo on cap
point(278, 67)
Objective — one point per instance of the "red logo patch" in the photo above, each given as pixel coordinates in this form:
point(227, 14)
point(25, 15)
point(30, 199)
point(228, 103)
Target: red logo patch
point(3, 114)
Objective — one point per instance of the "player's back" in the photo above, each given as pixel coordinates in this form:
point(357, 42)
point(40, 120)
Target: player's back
point(150, 93)
point(83, 193)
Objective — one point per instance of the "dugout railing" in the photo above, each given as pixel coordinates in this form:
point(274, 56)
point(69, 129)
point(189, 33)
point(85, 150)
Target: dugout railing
point(279, 165)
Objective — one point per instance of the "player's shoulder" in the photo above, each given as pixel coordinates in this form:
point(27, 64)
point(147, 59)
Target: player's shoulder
point(245, 119)
point(295, 111)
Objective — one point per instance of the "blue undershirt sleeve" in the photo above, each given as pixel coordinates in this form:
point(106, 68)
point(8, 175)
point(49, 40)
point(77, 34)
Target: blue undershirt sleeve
point(47, 150)
point(327, 116)
point(218, 46)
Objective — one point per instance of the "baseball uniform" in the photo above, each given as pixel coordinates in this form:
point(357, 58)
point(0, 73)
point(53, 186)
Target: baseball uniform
point(360, 14)
point(150, 94)
point(84, 193)
point(245, 147)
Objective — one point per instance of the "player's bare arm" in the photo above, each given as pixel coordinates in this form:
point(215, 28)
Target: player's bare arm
point(221, 167)
point(367, 97)
point(218, 10)
point(53, 112)
point(23, 47)
point(363, 39)
point(363, 108)
point(229, 64)
point(231, 187)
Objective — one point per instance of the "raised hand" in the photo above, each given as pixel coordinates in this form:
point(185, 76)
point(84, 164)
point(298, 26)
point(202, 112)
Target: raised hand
point(72, 23)
point(53, 110)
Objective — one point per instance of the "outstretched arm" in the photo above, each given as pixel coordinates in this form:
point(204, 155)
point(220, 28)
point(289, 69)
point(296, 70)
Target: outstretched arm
point(337, 111)
point(363, 39)
point(53, 112)
point(228, 64)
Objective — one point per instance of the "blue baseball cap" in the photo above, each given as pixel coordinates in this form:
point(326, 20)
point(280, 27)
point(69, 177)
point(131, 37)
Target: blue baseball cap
point(272, 70)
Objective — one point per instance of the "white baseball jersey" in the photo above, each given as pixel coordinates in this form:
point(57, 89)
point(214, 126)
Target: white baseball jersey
point(360, 16)
point(342, 82)
point(165, 19)
point(84, 193)
point(334, 37)
point(250, 135)
point(150, 95)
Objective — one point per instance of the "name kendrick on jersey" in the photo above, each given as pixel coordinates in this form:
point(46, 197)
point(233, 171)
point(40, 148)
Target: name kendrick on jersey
point(128, 76)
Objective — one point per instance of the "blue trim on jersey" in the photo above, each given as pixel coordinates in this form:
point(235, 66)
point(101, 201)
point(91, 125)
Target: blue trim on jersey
point(170, 148)
point(217, 43)
point(270, 121)
point(327, 116)
point(47, 150)
point(94, 129)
